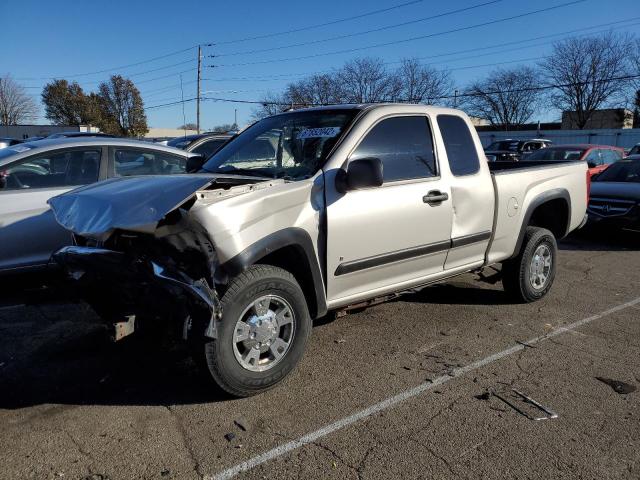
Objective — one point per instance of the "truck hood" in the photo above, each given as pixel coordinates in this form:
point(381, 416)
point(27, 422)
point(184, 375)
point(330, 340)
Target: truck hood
point(623, 190)
point(131, 203)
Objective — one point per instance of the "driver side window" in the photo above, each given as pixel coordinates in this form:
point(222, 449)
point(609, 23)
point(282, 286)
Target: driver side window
point(54, 169)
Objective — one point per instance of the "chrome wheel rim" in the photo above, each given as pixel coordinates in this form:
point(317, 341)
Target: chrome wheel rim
point(540, 267)
point(263, 334)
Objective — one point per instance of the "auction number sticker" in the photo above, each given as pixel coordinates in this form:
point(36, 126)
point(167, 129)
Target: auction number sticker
point(325, 132)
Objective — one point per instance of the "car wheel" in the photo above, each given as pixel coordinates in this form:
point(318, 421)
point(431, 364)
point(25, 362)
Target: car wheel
point(529, 276)
point(262, 334)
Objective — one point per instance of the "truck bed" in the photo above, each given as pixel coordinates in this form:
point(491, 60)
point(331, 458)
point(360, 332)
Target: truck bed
point(516, 184)
point(499, 167)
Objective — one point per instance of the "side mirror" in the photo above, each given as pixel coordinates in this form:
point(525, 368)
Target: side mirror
point(591, 164)
point(195, 163)
point(361, 173)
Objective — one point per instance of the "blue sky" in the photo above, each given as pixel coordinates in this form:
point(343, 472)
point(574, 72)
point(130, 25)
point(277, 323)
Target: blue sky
point(71, 39)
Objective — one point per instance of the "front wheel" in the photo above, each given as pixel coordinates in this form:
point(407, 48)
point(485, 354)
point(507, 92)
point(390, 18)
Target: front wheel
point(529, 276)
point(263, 332)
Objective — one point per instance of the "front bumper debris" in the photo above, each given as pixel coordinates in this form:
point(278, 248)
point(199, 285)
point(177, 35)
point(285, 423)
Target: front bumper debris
point(137, 278)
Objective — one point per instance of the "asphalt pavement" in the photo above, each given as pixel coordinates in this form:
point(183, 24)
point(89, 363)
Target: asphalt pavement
point(420, 387)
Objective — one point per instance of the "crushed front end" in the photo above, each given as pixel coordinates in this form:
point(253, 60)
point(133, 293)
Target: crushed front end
point(138, 258)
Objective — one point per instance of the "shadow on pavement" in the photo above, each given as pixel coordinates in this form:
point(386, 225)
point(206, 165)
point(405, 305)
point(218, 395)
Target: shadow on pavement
point(62, 354)
point(601, 240)
point(456, 293)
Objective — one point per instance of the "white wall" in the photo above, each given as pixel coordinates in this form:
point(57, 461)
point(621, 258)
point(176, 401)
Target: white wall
point(619, 137)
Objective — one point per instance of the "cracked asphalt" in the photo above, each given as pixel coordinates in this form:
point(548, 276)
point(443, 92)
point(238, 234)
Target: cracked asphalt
point(75, 406)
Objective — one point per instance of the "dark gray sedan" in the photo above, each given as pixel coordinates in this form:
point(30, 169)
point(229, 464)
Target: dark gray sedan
point(33, 172)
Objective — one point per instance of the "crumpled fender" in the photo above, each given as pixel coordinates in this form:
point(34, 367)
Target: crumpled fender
point(130, 203)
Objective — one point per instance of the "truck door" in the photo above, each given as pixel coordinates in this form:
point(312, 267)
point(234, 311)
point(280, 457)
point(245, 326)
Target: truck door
point(472, 193)
point(384, 238)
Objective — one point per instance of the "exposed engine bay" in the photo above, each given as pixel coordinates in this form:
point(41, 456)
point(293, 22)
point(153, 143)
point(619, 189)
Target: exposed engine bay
point(138, 254)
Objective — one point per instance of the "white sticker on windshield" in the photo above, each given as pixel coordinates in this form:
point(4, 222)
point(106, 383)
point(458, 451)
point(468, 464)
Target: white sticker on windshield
point(319, 132)
point(20, 148)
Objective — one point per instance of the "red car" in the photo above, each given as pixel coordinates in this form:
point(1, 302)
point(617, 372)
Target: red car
point(598, 157)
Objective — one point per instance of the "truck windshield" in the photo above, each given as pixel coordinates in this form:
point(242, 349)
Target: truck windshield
point(293, 146)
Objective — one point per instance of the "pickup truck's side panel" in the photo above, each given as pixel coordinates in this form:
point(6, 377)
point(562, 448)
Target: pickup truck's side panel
point(472, 200)
point(518, 190)
point(363, 256)
point(237, 222)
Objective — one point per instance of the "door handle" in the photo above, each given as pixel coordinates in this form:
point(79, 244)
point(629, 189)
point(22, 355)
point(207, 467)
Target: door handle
point(435, 197)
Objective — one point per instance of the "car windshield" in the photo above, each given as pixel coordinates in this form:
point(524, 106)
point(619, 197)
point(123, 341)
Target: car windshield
point(291, 146)
point(623, 171)
point(503, 145)
point(557, 153)
point(635, 150)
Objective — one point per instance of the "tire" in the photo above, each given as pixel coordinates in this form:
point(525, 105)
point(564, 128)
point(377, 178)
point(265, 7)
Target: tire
point(518, 273)
point(222, 357)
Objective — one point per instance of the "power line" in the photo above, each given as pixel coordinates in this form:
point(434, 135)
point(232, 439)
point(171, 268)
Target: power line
point(350, 35)
point(268, 35)
point(441, 97)
point(319, 25)
point(448, 54)
point(405, 40)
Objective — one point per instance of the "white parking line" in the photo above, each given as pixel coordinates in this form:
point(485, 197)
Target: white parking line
point(403, 396)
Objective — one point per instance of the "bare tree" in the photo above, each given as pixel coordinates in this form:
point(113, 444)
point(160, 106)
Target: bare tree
point(585, 70)
point(323, 89)
point(506, 97)
point(366, 80)
point(15, 105)
point(122, 108)
point(272, 104)
point(421, 83)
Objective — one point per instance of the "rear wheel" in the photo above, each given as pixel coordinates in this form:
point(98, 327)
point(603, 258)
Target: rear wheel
point(263, 332)
point(529, 276)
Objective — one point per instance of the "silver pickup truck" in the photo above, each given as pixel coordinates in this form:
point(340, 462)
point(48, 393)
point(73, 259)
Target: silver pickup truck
point(307, 212)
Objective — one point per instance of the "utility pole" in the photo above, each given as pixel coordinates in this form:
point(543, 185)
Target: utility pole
point(198, 94)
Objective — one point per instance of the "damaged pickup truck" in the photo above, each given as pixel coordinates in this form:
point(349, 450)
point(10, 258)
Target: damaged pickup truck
point(310, 211)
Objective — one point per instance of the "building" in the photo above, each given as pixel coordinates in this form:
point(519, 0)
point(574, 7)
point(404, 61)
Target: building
point(167, 133)
point(606, 118)
point(21, 132)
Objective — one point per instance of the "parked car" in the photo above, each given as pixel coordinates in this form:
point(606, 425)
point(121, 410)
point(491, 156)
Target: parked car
point(8, 142)
point(80, 134)
point(598, 157)
point(635, 150)
point(354, 204)
point(511, 150)
point(615, 196)
point(31, 173)
point(205, 144)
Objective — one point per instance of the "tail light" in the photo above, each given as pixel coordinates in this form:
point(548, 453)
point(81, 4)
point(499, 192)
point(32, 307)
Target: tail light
point(588, 185)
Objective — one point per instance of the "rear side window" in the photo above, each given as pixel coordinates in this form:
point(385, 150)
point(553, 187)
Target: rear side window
point(461, 150)
point(128, 162)
point(404, 146)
